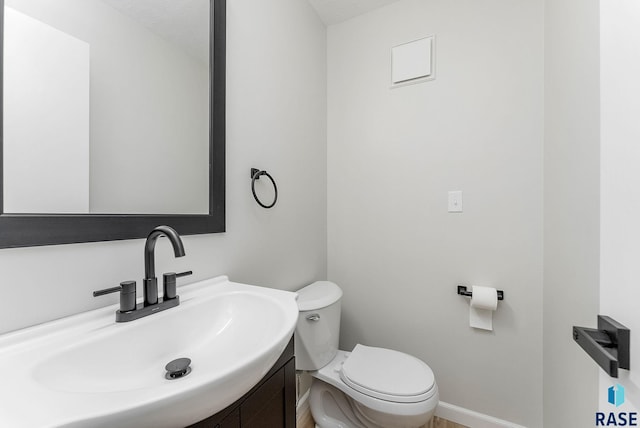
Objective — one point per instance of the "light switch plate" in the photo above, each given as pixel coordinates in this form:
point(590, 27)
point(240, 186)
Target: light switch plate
point(455, 201)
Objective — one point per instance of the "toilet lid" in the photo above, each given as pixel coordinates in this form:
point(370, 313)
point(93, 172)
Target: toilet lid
point(387, 374)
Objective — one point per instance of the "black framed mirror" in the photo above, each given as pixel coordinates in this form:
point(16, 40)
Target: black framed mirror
point(23, 227)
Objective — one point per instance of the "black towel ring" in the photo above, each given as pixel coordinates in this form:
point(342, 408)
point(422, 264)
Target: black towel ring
point(255, 175)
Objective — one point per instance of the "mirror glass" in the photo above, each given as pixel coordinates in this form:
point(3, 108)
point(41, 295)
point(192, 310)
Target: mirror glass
point(106, 107)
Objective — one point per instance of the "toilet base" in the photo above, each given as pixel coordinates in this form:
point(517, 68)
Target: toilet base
point(332, 408)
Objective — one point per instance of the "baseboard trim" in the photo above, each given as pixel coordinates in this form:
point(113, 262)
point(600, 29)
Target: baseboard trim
point(303, 402)
point(469, 418)
point(303, 412)
point(447, 411)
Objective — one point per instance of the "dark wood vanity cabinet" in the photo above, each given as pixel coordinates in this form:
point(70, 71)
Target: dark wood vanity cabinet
point(269, 404)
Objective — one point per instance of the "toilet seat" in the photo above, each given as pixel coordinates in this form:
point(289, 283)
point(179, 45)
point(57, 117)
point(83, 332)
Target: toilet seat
point(331, 375)
point(387, 375)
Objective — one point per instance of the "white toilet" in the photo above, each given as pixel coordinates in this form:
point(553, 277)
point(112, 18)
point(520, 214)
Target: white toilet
point(365, 388)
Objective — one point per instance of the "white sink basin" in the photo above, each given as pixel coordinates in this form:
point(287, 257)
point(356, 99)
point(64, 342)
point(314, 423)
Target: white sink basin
point(89, 371)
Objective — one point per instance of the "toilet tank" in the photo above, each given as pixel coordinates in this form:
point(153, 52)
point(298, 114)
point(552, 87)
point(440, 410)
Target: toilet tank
point(318, 328)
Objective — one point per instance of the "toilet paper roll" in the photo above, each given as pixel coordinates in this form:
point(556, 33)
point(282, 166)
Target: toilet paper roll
point(484, 301)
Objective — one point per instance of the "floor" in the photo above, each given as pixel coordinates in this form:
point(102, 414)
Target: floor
point(306, 421)
point(436, 422)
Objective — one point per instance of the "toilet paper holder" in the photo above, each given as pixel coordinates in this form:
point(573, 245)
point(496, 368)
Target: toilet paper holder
point(462, 290)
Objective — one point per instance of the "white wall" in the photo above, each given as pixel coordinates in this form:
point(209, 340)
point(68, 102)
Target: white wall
point(571, 208)
point(620, 197)
point(276, 120)
point(393, 154)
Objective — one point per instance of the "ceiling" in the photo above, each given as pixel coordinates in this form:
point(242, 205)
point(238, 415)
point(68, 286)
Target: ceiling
point(334, 11)
point(184, 23)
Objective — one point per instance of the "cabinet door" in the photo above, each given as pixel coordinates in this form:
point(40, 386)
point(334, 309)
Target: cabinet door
point(232, 420)
point(290, 394)
point(264, 408)
point(273, 404)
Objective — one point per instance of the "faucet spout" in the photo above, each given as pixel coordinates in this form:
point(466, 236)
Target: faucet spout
point(150, 281)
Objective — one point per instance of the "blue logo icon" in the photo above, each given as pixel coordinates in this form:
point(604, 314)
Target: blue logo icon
point(616, 395)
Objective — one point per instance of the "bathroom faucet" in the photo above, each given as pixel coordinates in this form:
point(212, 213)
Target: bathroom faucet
point(150, 282)
point(129, 310)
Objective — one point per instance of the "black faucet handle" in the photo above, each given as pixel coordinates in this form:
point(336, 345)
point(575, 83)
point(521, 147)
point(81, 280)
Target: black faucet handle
point(127, 291)
point(106, 291)
point(169, 283)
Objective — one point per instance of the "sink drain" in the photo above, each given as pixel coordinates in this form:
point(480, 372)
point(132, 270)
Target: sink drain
point(177, 368)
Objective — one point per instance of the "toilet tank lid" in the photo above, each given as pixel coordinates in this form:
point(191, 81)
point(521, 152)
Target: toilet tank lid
point(318, 295)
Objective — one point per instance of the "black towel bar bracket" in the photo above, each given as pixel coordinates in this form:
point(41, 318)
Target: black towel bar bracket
point(255, 175)
point(462, 290)
point(609, 345)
